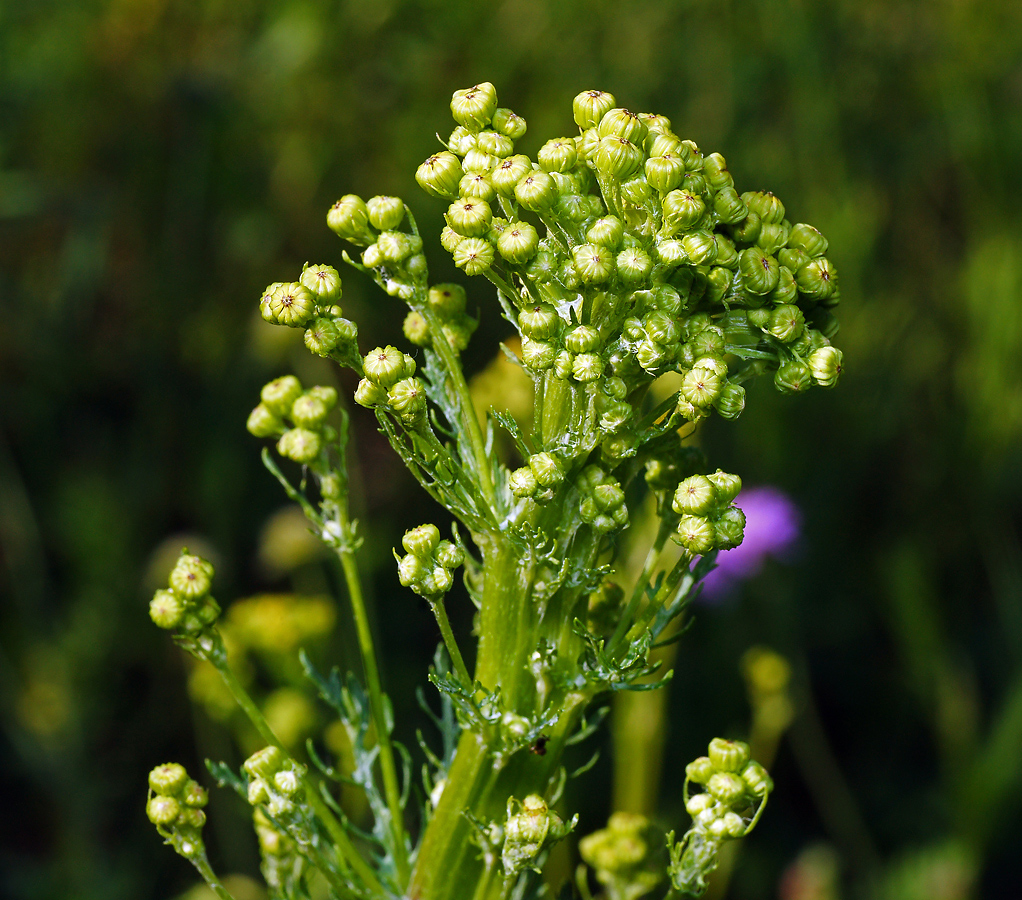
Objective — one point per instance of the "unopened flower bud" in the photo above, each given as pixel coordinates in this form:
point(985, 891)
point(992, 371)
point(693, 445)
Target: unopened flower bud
point(817, 279)
point(695, 534)
point(558, 155)
point(439, 175)
point(370, 394)
point(728, 756)
point(264, 763)
point(587, 367)
point(582, 339)
point(194, 795)
point(166, 609)
point(808, 239)
point(695, 496)
point(701, 386)
point(786, 323)
point(700, 247)
point(766, 206)
point(759, 271)
point(478, 161)
point(664, 173)
point(607, 232)
point(474, 107)
point(324, 282)
point(731, 402)
point(508, 172)
point(539, 321)
point(291, 304)
point(538, 355)
point(162, 810)
point(729, 206)
point(407, 398)
point(191, 578)
point(288, 782)
point(470, 217)
point(716, 173)
point(547, 468)
point(349, 218)
point(536, 191)
point(593, 263)
point(683, 209)
point(308, 411)
point(633, 265)
point(168, 779)
point(826, 364)
point(699, 803)
point(509, 123)
point(616, 157)
point(772, 237)
point(747, 230)
point(793, 377)
point(590, 107)
point(386, 366)
point(726, 787)
point(518, 243)
point(474, 255)
point(494, 144)
point(523, 483)
point(700, 771)
point(757, 779)
point(321, 337)
point(301, 445)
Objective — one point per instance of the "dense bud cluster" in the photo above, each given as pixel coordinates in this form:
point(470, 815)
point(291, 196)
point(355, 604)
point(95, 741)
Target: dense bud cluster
point(709, 519)
point(447, 302)
point(275, 783)
point(531, 827)
point(175, 807)
point(186, 605)
point(283, 404)
point(389, 383)
point(603, 500)
point(428, 561)
point(537, 479)
point(624, 856)
point(311, 303)
point(735, 792)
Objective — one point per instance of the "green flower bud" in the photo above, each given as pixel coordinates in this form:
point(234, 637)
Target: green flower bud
point(508, 173)
point(593, 263)
point(509, 123)
point(301, 445)
point(370, 394)
point(623, 124)
point(262, 423)
point(633, 265)
point(449, 555)
point(700, 771)
point(608, 497)
point(586, 144)
point(615, 415)
point(536, 191)
point(716, 173)
point(747, 230)
point(474, 107)
point(547, 468)
point(288, 782)
point(617, 157)
point(407, 398)
point(582, 339)
point(474, 255)
point(539, 321)
point(699, 803)
point(194, 795)
point(321, 337)
point(683, 209)
point(470, 217)
point(411, 570)
point(324, 282)
point(757, 779)
point(162, 810)
point(523, 483)
point(817, 279)
point(786, 323)
point(439, 581)
point(760, 272)
point(666, 143)
point(518, 243)
point(348, 218)
point(826, 365)
point(309, 412)
point(729, 206)
point(701, 386)
point(726, 788)
point(793, 377)
point(538, 355)
point(660, 328)
point(477, 186)
point(730, 528)
point(664, 173)
point(607, 232)
point(372, 258)
point(440, 175)
point(386, 366)
point(766, 206)
point(264, 763)
point(808, 239)
point(694, 183)
point(695, 496)
point(731, 401)
point(590, 107)
point(421, 541)
point(558, 155)
point(479, 162)
point(495, 144)
point(728, 486)
point(650, 355)
point(168, 779)
point(760, 318)
point(718, 283)
point(385, 213)
point(291, 304)
point(191, 578)
point(462, 140)
point(793, 258)
point(587, 367)
point(772, 237)
point(447, 300)
point(786, 290)
point(728, 756)
point(450, 239)
point(695, 534)
point(700, 247)
point(733, 825)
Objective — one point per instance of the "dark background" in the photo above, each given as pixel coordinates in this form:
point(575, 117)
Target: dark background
point(162, 160)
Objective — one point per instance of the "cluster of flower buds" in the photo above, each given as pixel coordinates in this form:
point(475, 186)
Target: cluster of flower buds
point(538, 478)
point(275, 783)
point(395, 256)
point(733, 785)
point(284, 403)
point(625, 856)
point(428, 561)
point(603, 500)
point(311, 303)
point(735, 795)
point(186, 605)
point(447, 302)
point(175, 807)
point(709, 519)
point(279, 853)
point(640, 257)
point(390, 383)
point(531, 827)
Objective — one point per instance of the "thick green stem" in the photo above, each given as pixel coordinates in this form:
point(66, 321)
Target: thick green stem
point(391, 785)
point(209, 876)
point(342, 842)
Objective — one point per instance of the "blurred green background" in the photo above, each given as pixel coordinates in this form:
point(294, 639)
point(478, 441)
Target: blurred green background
point(162, 160)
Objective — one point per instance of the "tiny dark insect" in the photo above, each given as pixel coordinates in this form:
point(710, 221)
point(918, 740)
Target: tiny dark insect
point(539, 748)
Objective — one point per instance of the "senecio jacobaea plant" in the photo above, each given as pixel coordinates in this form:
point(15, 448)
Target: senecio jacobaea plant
point(620, 255)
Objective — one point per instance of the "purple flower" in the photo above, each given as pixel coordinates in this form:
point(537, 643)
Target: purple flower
point(772, 526)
